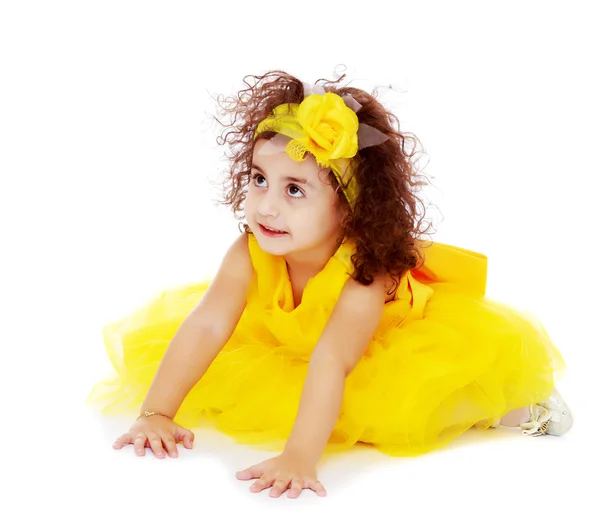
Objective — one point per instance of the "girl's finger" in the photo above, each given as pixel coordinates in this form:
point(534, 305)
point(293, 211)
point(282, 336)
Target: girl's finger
point(185, 436)
point(139, 443)
point(256, 471)
point(296, 488)
point(170, 445)
point(279, 487)
point(156, 445)
point(317, 487)
point(261, 484)
point(188, 439)
point(122, 440)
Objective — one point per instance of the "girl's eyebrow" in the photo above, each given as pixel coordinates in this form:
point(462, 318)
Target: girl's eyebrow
point(298, 180)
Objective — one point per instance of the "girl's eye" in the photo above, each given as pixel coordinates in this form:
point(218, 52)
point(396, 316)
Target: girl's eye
point(256, 176)
point(297, 193)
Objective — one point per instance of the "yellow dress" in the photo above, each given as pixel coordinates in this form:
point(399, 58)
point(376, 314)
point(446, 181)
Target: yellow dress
point(444, 358)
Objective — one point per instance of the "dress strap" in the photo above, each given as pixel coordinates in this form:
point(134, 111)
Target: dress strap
point(270, 274)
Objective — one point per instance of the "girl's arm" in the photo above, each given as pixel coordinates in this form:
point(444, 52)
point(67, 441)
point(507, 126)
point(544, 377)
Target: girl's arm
point(345, 338)
point(203, 333)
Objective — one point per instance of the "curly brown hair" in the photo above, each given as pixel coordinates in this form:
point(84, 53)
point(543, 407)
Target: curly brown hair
point(384, 223)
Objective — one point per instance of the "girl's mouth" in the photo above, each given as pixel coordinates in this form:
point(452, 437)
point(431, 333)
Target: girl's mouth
point(270, 232)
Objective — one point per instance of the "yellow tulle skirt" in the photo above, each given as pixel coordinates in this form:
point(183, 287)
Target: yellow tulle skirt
point(463, 362)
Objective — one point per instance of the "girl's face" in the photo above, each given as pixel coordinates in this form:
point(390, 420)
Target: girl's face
point(292, 198)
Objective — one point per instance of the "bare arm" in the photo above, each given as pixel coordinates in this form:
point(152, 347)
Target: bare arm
point(344, 340)
point(203, 333)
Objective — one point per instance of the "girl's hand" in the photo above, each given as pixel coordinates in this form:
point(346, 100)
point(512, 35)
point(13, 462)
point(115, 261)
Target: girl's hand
point(158, 433)
point(283, 472)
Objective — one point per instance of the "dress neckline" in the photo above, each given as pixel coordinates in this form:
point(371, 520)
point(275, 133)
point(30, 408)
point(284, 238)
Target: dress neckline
point(284, 300)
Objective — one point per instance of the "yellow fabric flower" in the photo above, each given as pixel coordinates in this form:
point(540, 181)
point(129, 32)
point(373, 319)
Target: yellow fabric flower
point(331, 126)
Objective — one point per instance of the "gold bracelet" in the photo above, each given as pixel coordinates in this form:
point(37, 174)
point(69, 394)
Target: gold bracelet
point(152, 413)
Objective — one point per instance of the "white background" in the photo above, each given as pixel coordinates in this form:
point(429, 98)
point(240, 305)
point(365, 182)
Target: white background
point(107, 152)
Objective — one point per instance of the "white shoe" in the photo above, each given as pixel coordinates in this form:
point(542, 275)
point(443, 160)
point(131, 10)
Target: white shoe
point(550, 416)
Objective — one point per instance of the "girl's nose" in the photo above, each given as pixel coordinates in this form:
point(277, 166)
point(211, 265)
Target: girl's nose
point(268, 205)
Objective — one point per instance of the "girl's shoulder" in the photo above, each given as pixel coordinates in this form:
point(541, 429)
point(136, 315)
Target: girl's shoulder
point(385, 282)
point(240, 248)
point(238, 258)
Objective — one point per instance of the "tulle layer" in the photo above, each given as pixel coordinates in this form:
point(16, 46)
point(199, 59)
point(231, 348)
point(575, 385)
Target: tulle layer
point(464, 361)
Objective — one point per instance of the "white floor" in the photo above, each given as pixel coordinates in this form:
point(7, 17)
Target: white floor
point(66, 465)
point(480, 473)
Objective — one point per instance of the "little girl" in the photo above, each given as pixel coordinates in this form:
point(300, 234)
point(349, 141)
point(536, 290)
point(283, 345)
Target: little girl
point(329, 322)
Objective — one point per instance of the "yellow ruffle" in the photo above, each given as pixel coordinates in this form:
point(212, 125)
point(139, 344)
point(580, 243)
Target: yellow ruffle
point(444, 358)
